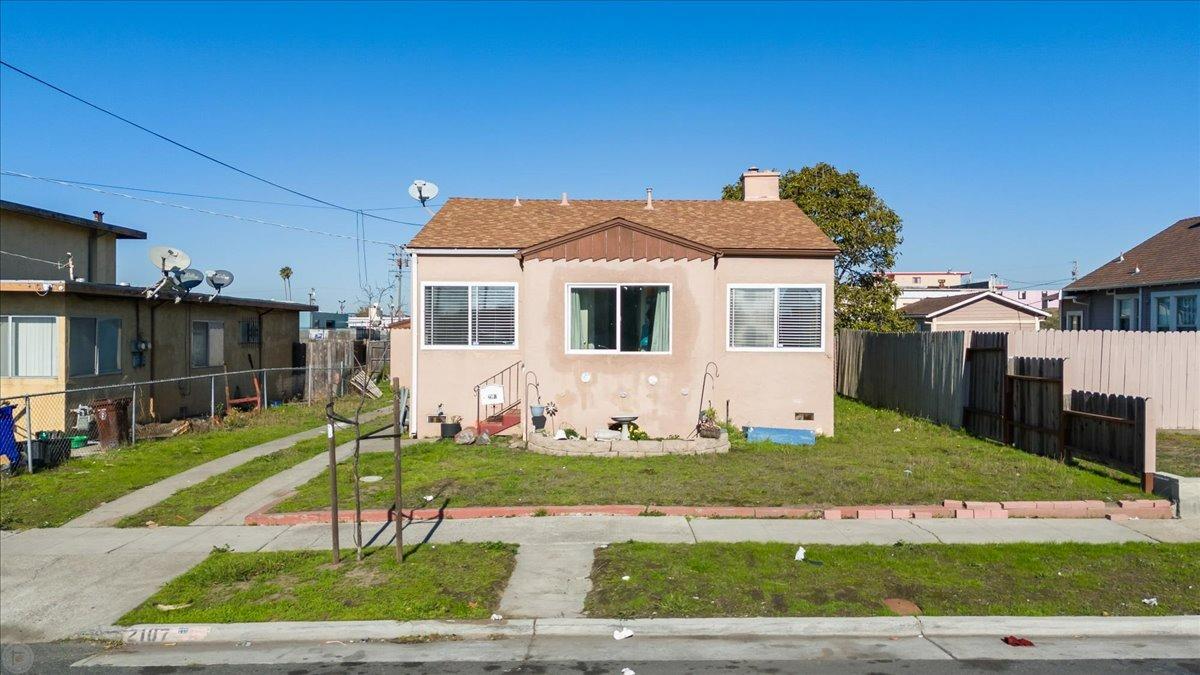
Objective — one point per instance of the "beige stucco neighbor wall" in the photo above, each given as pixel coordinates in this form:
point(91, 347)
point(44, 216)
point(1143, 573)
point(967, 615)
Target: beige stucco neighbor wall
point(763, 388)
point(94, 252)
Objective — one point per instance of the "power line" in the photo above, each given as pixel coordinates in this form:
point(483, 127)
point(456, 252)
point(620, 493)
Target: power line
point(185, 207)
point(190, 149)
point(59, 265)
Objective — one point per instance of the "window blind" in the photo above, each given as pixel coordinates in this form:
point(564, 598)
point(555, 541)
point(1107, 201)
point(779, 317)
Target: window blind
point(27, 346)
point(446, 315)
point(493, 315)
point(799, 317)
point(752, 317)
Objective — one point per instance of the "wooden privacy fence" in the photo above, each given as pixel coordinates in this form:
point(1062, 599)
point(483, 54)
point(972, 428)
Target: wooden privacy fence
point(1025, 402)
point(919, 374)
point(1162, 367)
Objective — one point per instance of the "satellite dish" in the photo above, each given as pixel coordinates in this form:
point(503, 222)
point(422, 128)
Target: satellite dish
point(189, 278)
point(422, 191)
point(219, 279)
point(167, 258)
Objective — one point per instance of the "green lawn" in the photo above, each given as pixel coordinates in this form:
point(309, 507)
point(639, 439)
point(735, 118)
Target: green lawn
point(446, 581)
point(865, 463)
point(1179, 452)
point(753, 579)
point(190, 503)
point(52, 497)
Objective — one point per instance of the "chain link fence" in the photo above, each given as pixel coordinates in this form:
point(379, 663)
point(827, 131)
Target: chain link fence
point(48, 427)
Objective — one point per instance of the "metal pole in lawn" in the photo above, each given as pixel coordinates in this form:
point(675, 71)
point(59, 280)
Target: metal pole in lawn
point(333, 486)
point(28, 436)
point(396, 461)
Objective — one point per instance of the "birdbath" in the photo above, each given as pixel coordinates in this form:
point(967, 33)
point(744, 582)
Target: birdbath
point(624, 420)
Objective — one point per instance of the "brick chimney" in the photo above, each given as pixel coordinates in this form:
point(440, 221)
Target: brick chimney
point(760, 186)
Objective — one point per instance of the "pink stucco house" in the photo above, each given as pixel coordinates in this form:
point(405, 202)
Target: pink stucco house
point(616, 307)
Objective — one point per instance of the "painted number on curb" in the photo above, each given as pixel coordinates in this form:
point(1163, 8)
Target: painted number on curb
point(166, 634)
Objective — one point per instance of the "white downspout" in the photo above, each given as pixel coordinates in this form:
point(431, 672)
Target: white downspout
point(415, 331)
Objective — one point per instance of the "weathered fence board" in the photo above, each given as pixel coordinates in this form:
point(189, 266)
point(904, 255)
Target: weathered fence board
point(1114, 430)
point(920, 374)
point(984, 402)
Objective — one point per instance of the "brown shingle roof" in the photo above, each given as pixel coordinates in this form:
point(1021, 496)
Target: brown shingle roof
point(720, 224)
point(931, 307)
point(1170, 256)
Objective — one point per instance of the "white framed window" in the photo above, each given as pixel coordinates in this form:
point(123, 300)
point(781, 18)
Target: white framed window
point(27, 346)
point(769, 317)
point(1074, 320)
point(1174, 310)
point(1125, 312)
point(469, 315)
point(618, 318)
point(208, 343)
point(93, 346)
point(249, 333)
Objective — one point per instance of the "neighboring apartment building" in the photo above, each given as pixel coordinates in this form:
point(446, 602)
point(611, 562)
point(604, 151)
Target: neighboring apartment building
point(1153, 286)
point(917, 286)
point(617, 307)
point(58, 334)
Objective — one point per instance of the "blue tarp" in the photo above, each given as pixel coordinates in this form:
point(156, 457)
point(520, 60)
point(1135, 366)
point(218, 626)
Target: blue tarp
point(782, 436)
point(8, 439)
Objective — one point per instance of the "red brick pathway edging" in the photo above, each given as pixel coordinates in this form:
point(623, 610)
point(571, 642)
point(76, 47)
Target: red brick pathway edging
point(1122, 510)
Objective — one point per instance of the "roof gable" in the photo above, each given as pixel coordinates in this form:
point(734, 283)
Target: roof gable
point(930, 308)
point(617, 239)
point(1171, 256)
point(723, 225)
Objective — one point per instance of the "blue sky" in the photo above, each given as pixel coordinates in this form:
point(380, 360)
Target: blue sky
point(1011, 138)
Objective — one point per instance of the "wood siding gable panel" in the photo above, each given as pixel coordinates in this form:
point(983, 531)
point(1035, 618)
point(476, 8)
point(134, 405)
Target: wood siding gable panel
point(618, 239)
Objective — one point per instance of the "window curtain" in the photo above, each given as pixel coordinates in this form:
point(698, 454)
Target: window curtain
point(583, 304)
point(660, 333)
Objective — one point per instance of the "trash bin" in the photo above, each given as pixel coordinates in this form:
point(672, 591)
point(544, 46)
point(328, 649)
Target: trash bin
point(49, 449)
point(112, 421)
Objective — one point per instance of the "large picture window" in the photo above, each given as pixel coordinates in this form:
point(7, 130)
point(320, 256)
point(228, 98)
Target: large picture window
point(619, 318)
point(765, 317)
point(94, 346)
point(208, 343)
point(27, 346)
point(470, 315)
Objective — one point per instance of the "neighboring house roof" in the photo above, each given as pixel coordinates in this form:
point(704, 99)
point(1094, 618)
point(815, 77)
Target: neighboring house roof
point(119, 291)
point(1169, 257)
point(726, 225)
point(931, 308)
point(121, 232)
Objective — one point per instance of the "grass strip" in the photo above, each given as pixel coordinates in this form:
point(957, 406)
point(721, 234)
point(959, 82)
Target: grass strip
point(1178, 452)
point(52, 497)
point(763, 579)
point(443, 581)
point(877, 457)
point(190, 503)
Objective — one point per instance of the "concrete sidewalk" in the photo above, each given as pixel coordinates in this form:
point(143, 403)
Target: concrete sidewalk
point(139, 500)
point(55, 583)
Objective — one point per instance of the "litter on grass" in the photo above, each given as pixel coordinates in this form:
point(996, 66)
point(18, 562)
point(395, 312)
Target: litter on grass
point(800, 553)
point(171, 608)
point(428, 498)
point(627, 671)
point(1153, 602)
point(625, 578)
point(622, 633)
point(371, 479)
point(497, 617)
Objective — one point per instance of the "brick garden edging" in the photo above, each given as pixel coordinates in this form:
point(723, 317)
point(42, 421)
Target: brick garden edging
point(1122, 510)
point(580, 447)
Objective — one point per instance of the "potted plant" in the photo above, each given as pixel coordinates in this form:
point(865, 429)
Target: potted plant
point(451, 427)
point(538, 414)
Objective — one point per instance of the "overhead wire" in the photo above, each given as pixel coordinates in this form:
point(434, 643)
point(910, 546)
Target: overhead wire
point(192, 150)
point(185, 207)
point(57, 264)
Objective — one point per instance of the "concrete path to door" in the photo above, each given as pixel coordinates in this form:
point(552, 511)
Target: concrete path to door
point(57, 583)
point(139, 500)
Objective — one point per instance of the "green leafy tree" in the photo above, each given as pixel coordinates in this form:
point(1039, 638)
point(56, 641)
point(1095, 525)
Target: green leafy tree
point(866, 231)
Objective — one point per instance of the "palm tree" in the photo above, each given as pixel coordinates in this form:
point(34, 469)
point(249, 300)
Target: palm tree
point(285, 273)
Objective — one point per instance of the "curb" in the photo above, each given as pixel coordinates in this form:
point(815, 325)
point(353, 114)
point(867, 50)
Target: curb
point(1141, 508)
point(706, 628)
